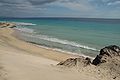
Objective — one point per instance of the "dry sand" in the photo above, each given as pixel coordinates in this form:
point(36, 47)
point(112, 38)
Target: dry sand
point(20, 60)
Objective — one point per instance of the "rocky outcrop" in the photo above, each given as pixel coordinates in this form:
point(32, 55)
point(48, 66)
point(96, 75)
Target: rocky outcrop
point(105, 65)
point(106, 54)
point(108, 61)
point(71, 62)
point(7, 25)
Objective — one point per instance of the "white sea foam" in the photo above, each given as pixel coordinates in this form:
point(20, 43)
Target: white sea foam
point(21, 23)
point(24, 29)
point(24, 24)
point(60, 41)
point(65, 42)
point(64, 51)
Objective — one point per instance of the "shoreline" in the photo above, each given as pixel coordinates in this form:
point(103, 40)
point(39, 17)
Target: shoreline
point(17, 32)
point(33, 48)
point(26, 61)
point(61, 51)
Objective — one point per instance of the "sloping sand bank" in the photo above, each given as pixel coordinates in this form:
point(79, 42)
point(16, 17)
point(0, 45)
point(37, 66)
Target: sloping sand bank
point(25, 61)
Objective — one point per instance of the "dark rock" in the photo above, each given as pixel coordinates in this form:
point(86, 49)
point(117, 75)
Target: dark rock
point(7, 25)
point(71, 62)
point(107, 53)
point(110, 51)
point(114, 78)
point(97, 60)
point(12, 27)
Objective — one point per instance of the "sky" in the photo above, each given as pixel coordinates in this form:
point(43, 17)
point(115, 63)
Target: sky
point(60, 8)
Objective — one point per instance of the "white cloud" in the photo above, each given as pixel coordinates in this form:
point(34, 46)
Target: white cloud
point(76, 5)
point(114, 3)
point(105, 0)
point(78, 8)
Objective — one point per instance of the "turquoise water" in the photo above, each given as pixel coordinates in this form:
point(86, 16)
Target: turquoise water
point(85, 36)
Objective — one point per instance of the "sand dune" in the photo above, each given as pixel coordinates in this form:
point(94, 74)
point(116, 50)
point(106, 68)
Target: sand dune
point(25, 61)
point(21, 66)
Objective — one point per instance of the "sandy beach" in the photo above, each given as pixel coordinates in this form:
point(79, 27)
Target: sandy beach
point(20, 60)
point(25, 61)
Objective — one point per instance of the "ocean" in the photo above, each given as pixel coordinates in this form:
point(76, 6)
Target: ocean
point(73, 35)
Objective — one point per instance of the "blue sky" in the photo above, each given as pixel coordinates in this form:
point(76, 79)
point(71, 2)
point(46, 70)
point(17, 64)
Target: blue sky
point(60, 8)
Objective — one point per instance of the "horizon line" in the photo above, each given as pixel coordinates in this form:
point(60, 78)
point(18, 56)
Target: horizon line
point(62, 17)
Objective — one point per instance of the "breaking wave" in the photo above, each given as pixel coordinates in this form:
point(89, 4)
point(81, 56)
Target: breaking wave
point(24, 29)
point(55, 40)
point(24, 24)
point(65, 42)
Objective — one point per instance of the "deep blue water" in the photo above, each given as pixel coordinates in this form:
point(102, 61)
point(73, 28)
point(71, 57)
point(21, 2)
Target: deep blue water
point(77, 35)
